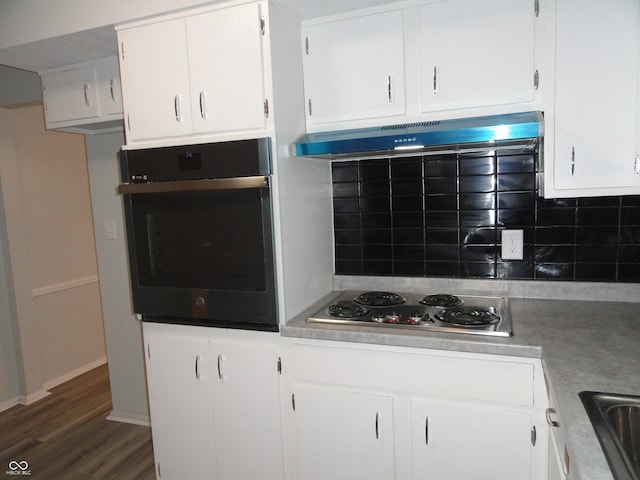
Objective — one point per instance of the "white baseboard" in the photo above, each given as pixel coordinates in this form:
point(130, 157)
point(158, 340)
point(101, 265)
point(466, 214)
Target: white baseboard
point(132, 418)
point(33, 397)
point(7, 404)
point(74, 373)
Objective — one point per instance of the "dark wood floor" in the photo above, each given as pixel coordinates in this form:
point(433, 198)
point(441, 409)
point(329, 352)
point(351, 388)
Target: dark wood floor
point(66, 436)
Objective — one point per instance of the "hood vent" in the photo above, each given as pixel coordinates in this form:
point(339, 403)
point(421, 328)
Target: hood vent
point(456, 134)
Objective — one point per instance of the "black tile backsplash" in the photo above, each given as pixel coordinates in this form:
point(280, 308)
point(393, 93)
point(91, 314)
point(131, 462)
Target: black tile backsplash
point(442, 216)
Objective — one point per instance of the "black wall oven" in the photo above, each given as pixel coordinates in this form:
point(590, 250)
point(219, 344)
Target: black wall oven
point(199, 234)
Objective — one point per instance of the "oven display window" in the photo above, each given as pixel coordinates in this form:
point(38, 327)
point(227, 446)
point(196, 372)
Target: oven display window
point(208, 239)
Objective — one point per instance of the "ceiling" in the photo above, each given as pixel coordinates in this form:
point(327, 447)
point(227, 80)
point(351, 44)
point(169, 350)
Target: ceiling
point(101, 42)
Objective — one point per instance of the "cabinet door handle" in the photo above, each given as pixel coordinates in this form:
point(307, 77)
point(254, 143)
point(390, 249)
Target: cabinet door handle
point(220, 374)
point(177, 108)
point(426, 430)
point(197, 367)
point(573, 160)
point(636, 165)
point(378, 425)
point(203, 105)
point(112, 83)
point(435, 80)
point(86, 94)
point(389, 95)
point(550, 421)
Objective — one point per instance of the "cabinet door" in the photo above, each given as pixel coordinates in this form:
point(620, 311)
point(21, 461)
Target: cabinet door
point(354, 68)
point(227, 71)
point(595, 94)
point(109, 89)
point(70, 95)
point(475, 54)
point(246, 393)
point(343, 435)
point(179, 377)
point(153, 61)
point(454, 440)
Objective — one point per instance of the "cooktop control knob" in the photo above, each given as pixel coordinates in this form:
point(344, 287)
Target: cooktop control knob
point(393, 317)
point(378, 318)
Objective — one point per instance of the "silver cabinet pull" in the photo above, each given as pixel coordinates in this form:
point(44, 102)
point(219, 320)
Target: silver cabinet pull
point(550, 421)
point(378, 425)
point(220, 375)
point(534, 435)
point(86, 94)
point(197, 367)
point(426, 430)
point(636, 165)
point(203, 105)
point(389, 95)
point(177, 108)
point(573, 160)
point(435, 80)
point(112, 83)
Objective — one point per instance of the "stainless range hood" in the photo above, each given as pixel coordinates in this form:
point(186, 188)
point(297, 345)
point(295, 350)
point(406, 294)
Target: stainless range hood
point(439, 135)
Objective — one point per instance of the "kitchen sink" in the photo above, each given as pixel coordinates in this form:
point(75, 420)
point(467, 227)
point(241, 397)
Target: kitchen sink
point(616, 420)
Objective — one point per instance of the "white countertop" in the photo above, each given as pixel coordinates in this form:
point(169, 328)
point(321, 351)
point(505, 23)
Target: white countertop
point(584, 345)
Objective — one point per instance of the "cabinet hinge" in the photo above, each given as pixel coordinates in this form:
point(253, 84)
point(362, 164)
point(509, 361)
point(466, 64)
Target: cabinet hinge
point(280, 365)
point(536, 79)
point(534, 435)
point(122, 50)
point(263, 26)
point(536, 8)
point(293, 401)
point(266, 108)
point(306, 45)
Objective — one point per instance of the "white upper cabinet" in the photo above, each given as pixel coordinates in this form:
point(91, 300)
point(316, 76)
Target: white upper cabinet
point(592, 114)
point(155, 75)
point(403, 63)
point(194, 75)
point(475, 54)
point(226, 69)
point(83, 98)
point(354, 68)
point(109, 90)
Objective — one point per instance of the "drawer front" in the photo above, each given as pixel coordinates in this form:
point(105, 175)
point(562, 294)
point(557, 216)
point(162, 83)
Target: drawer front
point(477, 378)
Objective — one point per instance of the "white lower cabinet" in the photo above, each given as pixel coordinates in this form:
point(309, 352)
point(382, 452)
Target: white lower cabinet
point(454, 440)
point(215, 406)
point(382, 413)
point(344, 435)
point(179, 376)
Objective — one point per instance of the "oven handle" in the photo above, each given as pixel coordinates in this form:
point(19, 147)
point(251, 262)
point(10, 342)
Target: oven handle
point(261, 181)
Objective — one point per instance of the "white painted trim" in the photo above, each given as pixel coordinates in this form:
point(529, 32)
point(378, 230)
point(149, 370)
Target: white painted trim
point(62, 286)
point(7, 404)
point(34, 397)
point(74, 373)
point(132, 418)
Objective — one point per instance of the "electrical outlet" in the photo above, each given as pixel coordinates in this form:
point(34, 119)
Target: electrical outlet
point(512, 244)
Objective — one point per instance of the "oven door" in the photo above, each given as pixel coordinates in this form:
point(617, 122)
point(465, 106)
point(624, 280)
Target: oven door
point(201, 252)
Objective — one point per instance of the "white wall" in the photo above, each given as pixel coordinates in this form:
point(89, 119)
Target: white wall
point(19, 86)
point(25, 21)
point(50, 259)
point(122, 330)
point(9, 388)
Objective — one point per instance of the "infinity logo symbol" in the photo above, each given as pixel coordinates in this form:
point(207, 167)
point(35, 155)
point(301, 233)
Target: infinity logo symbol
point(13, 465)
